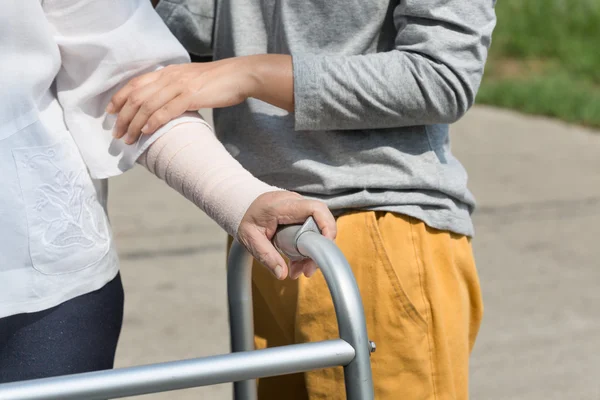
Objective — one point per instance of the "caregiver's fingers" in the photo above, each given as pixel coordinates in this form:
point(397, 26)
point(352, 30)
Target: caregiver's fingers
point(170, 110)
point(132, 105)
point(153, 107)
point(119, 99)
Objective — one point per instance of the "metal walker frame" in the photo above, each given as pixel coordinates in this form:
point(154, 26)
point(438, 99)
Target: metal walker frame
point(244, 365)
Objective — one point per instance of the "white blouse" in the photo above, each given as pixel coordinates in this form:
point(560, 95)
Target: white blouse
point(60, 63)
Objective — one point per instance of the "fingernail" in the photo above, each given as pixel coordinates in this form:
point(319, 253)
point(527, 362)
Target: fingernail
point(278, 271)
point(146, 128)
point(110, 108)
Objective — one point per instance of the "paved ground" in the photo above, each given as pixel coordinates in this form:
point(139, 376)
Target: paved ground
point(538, 186)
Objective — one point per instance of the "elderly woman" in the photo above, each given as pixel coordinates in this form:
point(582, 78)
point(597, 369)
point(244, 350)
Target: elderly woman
point(61, 298)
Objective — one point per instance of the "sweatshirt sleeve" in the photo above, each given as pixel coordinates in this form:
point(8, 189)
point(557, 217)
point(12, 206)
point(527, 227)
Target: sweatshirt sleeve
point(431, 76)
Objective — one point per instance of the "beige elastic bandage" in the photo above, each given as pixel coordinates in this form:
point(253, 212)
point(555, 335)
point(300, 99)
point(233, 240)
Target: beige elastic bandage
point(191, 160)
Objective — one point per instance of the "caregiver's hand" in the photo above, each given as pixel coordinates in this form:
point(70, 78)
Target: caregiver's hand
point(151, 100)
point(271, 209)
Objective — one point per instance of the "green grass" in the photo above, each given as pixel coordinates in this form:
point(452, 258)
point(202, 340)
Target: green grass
point(545, 59)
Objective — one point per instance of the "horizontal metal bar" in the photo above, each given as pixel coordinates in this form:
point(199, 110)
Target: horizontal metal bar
point(183, 374)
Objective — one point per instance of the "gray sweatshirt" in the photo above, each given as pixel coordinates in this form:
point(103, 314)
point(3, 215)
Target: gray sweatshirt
point(376, 84)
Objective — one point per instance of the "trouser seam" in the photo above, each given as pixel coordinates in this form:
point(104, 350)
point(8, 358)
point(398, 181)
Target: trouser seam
point(420, 269)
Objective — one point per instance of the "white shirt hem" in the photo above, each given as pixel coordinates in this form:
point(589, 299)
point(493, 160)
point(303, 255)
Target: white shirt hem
point(82, 287)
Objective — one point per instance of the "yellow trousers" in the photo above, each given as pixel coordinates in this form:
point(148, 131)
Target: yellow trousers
point(422, 303)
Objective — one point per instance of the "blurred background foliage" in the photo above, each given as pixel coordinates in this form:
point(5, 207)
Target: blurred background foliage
point(545, 59)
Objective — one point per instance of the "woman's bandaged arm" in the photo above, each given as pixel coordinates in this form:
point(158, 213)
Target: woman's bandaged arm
point(191, 160)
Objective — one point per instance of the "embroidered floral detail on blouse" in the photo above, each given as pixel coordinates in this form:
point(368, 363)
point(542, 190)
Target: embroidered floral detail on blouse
point(66, 206)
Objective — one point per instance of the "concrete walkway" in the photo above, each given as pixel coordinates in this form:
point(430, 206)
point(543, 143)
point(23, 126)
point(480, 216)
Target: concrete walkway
point(538, 224)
